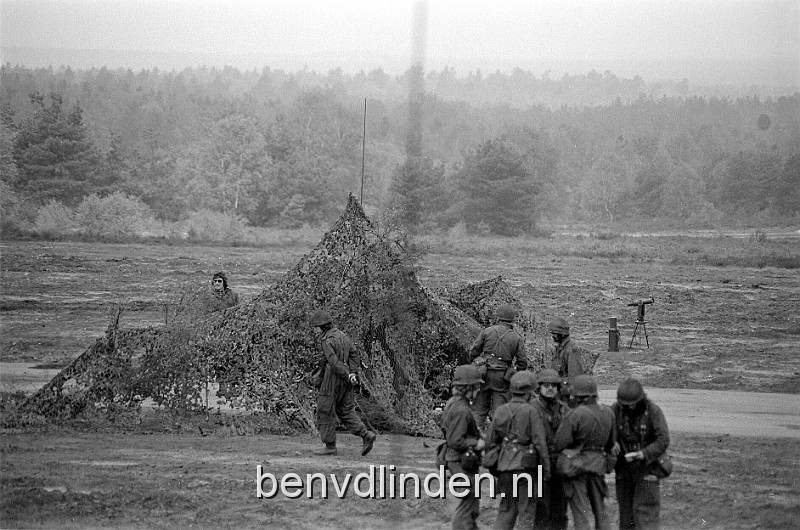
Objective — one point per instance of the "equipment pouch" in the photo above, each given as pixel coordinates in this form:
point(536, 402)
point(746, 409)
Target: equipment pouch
point(530, 459)
point(470, 461)
point(490, 459)
point(317, 375)
point(662, 467)
point(510, 371)
point(480, 362)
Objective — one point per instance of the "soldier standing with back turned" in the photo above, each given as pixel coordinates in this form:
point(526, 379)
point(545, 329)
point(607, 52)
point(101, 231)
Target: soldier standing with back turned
point(501, 349)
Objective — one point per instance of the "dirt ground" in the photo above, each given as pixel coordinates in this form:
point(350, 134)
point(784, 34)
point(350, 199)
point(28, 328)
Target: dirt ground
point(162, 476)
point(710, 329)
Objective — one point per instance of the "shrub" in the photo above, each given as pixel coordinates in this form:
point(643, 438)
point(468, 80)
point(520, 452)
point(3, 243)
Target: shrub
point(54, 218)
point(12, 215)
point(117, 214)
point(207, 225)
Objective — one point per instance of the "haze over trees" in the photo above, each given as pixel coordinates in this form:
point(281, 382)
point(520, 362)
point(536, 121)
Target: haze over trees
point(497, 153)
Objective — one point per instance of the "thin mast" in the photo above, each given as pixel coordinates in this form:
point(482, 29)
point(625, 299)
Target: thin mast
point(363, 150)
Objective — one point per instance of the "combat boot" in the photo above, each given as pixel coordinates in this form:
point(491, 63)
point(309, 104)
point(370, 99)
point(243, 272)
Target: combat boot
point(330, 449)
point(369, 441)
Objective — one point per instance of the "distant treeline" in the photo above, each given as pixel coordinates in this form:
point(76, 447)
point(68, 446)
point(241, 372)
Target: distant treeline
point(493, 153)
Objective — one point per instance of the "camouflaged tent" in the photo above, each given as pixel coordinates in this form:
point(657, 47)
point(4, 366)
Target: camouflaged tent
point(261, 352)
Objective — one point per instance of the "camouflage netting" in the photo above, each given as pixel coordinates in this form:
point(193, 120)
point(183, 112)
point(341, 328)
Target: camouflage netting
point(101, 376)
point(260, 353)
point(478, 301)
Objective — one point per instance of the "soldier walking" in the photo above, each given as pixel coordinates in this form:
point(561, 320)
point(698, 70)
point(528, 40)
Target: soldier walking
point(463, 442)
point(588, 427)
point(339, 363)
point(517, 428)
point(501, 350)
point(551, 509)
point(643, 436)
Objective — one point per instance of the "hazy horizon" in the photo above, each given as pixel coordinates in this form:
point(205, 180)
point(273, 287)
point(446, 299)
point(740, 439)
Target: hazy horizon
point(735, 42)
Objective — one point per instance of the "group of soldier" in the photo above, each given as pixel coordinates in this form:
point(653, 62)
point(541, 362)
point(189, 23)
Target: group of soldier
point(497, 403)
point(534, 418)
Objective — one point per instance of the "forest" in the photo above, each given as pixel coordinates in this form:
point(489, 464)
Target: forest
point(497, 154)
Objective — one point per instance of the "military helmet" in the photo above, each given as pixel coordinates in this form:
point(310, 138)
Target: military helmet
point(506, 313)
point(548, 375)
point(521, 382)
point(630, 392)
point(583, 386)
point(558, 325)
point(467, 374)
point(319, 317)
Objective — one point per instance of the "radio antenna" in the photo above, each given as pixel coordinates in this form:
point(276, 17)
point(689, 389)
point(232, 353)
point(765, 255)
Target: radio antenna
point(363, 151)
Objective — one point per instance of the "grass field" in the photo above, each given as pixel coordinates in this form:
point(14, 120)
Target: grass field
point(725, 316)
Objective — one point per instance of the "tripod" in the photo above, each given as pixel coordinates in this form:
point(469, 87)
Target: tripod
point(640, 321)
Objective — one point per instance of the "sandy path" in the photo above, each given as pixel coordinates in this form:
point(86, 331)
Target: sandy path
point(725, 412)
point(695, 411)
point(24, 377)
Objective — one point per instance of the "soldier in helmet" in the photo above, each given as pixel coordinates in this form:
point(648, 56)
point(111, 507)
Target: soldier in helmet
point(551, 509)
point(339, 363)
point(567, 358)
point(643, 437)
point(517, 428)
point(501, 350)
point(588, 427)
point(463, 438)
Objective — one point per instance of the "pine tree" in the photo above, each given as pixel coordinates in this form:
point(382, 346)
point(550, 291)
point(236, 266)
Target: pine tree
point(53, 154)
point(499, 190)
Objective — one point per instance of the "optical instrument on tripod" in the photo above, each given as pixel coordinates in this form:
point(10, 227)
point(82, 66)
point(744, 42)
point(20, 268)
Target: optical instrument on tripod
point(640, 321)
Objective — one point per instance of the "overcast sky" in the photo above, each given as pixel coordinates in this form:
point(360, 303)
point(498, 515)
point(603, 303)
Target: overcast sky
point(734, 40)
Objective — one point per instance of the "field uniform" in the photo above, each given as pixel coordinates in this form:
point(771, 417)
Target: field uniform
point(222, 300)
point(461, 434)
point(638, 491)
point(590, 426)
point(218, 299)
point(517, 425)
point(551, 510)
point(502, 347)
point(567, 362)
point(335, 396)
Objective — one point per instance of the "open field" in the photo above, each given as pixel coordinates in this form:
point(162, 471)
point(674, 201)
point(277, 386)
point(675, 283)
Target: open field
point(720, 326)
point(711, 327)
